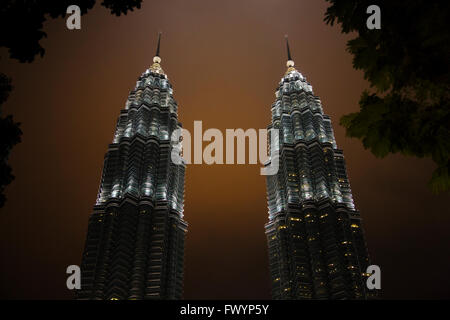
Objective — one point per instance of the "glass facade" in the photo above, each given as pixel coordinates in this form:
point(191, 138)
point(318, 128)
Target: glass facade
point(135, 241)
point(316, 244)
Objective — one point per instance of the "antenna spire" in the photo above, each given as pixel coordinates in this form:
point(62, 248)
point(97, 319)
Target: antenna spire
point(156, 66)
point(159, 41)
point(288, 49)
point(290, 63)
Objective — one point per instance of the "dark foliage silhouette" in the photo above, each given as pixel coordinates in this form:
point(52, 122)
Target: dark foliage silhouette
point(406, 62)
point(21, 24)
point(9, 136)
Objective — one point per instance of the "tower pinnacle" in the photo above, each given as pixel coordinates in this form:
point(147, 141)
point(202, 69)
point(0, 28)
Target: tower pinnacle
point(290, 63)
point(287, 47)
point(159, 42)
point(156, 67)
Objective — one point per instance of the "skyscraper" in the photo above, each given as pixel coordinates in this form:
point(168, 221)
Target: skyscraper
point(316, 244)
point(135, 241)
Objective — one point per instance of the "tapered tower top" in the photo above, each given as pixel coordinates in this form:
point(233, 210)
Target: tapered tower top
point(156, 67)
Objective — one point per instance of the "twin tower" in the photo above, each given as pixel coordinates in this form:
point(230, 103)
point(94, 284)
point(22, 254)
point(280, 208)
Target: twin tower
point(135, 240)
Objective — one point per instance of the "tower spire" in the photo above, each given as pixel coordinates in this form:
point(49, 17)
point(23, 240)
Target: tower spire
point(290, 63)
point(159, 42)
point(287, 47)
point(156, 66)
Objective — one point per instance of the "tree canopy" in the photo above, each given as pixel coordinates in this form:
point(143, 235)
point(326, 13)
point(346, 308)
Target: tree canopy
point(26, 18)
point(21, 24)
point(406, 62)
point(9, 136)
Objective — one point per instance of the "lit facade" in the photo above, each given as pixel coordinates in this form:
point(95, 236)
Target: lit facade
point(135, 241)
point(316, 243)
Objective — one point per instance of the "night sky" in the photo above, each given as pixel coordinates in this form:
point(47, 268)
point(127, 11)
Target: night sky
point(224, 60)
